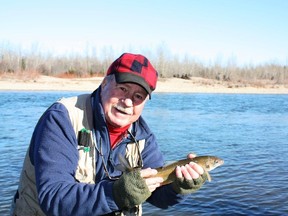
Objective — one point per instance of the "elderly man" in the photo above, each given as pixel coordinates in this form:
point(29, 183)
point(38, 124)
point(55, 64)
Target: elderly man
point(74, 164)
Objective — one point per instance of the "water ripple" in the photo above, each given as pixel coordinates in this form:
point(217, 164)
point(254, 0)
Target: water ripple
point(249, 132)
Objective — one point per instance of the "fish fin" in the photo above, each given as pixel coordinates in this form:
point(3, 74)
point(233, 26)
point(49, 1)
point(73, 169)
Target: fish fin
point(124, 165)
point(208, 175)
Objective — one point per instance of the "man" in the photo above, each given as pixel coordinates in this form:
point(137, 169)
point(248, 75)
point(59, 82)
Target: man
point(80, 144)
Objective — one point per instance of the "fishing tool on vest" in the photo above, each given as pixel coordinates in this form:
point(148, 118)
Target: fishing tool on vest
point(84, 139)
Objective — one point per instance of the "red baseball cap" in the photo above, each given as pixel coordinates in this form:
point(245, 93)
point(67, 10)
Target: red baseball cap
point(134, 68)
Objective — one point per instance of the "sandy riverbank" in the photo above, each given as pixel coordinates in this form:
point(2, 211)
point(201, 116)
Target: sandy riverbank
point(194, 85)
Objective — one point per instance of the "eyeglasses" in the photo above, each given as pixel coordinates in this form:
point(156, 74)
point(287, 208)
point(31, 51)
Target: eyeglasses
point(140, 160)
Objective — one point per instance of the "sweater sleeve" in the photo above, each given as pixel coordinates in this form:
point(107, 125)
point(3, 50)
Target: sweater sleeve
point(55, 157)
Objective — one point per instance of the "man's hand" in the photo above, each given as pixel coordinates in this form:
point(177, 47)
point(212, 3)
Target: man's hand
point(190, 177)
point(134, 187)
point(189, 171)
point(151, 182)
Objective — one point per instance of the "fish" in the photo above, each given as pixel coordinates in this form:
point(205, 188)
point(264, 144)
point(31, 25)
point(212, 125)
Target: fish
point(167, 172)
point(207, 162)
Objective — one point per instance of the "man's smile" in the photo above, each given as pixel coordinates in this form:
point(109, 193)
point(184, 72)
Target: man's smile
point(123, 110)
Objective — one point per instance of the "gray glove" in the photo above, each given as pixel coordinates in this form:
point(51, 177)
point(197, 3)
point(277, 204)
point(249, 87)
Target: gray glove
point(184, 186)
point(130, 190)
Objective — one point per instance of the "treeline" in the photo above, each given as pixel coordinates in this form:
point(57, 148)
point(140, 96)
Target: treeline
point(12, 62)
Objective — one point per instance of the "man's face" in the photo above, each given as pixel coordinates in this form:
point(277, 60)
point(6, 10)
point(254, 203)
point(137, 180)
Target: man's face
point(122, 102)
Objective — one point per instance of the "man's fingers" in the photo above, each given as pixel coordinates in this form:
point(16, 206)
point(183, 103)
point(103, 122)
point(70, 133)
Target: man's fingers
point(151, 182)
point(178, 172)
point(145, 173)
point(154, 180)
point(189, 171)
point(196, 167)
point(191, 155)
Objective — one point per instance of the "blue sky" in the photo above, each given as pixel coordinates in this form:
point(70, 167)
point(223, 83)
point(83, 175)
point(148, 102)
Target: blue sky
point(210, 31)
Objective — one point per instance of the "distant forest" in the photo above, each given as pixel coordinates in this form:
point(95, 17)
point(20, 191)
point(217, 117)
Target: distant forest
point(74, 65)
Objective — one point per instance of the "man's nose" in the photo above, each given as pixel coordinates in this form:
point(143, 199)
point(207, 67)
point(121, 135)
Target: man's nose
point(128, 102)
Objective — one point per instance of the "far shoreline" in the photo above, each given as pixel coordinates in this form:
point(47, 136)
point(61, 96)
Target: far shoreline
point(169, 85)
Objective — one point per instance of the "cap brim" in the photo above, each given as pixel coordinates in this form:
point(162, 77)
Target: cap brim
point(133, 78)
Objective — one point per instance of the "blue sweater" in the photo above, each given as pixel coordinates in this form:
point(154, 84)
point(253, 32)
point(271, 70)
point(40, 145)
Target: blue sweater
point(53, 152)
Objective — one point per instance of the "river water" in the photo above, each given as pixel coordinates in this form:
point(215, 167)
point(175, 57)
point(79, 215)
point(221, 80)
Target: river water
point(250, 132)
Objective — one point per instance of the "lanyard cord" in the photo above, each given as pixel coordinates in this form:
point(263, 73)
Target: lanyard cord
point(102, 157)
point(96, 143)
point(99, 150)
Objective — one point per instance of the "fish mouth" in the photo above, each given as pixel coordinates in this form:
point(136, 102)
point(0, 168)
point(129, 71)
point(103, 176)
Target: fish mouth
point(122, 109)
point(220, 162)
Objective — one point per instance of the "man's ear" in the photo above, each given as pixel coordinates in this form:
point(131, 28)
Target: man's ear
point(104, 83)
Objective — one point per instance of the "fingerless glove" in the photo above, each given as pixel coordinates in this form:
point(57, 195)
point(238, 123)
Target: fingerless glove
point(130, 190)
point(184, 186)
